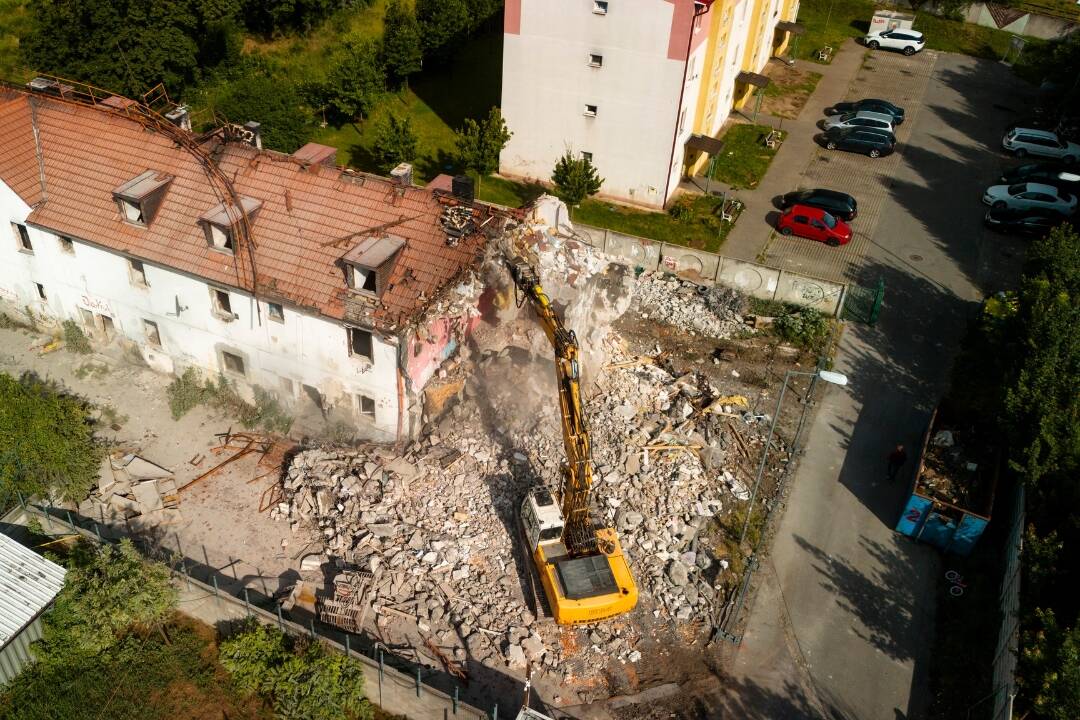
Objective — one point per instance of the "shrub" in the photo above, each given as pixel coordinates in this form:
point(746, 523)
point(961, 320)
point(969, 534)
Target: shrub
point(185, 393)
point(190, 390)
point(806, 328)
point(75, 339)
point(300, 679)
point(682, 209)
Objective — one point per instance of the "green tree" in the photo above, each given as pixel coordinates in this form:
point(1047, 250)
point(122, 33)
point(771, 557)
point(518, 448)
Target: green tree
point(480, 11)
point(402, 51)
point(300, 679)
point(394, 142)
point(286, 123)
point(1042, 406)
point(443, 25)
point(479, 143)
point(129, 46)
point(46, 440)
point(357, 79)
point(276, 16)
point(575, 178)
point(108, 589)
point(1049, 676)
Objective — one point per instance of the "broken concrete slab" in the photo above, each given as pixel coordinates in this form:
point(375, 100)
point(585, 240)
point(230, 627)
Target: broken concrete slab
point(147, 496)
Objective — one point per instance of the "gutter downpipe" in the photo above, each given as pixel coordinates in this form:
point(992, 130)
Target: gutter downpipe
point(699, 10)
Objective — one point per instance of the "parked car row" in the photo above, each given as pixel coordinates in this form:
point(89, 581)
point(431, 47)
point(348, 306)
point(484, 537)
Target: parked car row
point(818, 214)
point(1032, 199)
point(865, 126)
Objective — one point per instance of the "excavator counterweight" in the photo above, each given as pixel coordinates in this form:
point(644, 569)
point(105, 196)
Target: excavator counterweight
point(582, 569)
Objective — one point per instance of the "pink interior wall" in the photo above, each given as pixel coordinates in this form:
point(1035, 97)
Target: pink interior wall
point(425, 355)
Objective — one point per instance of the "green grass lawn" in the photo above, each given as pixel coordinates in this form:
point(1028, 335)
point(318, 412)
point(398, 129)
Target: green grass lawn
point(831, 22)
point(977, 41)
point(744, 159)
point(509, 193)
point(14, 22)
point(700, 229)
point(785, 95)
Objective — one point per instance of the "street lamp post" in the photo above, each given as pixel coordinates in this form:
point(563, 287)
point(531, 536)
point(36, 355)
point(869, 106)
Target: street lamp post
point(828, 376)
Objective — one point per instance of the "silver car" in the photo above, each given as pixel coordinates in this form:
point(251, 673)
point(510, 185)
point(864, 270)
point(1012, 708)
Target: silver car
point(860, 119)
point(1028, 141)
point(1029, 196)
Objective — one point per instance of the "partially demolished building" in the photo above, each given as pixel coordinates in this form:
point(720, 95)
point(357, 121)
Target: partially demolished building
point(279, 271)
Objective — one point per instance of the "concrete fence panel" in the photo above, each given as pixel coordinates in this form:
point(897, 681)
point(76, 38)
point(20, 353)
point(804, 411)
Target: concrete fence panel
point(694, 265)
point(596, 237)
point(636, 251)
point(755, 280)
point(811, 292)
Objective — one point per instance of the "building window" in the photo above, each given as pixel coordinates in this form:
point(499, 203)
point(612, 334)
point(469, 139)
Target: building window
point(150, 329)
point(587, 156)
point(682, 120)
point(221, 304)
point(67, 245)
point(221, 238)
point(590, 111)
point(360, 343)
point(140, 197)
point(40, 291)
point(596, 60)
point(276, 312)
point(137, 273)
point(233, 363)
point(288, 387)
point(23, 236)
point(366, 407)
point(600, 7)
point(365, 279)
point(87, 318)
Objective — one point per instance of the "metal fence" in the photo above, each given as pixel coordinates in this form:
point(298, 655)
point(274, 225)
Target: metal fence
point(1004, 678)
point(399, 686)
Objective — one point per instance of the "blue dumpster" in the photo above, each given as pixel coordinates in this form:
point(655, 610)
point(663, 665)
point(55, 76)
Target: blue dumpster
point(952, 492)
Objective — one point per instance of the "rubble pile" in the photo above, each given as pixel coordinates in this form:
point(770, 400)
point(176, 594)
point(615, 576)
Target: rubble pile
point(437, 525)
point(133, 491)
point(711, 311)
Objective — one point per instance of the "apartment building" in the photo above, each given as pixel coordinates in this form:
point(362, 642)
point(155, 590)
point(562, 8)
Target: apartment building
point(639, 86)
point(315, 283)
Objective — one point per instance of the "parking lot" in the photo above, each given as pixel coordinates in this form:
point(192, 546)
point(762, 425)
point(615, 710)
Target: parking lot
point(947, 152)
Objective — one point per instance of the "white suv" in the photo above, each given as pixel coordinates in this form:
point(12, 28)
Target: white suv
point(1025, 141)
point(908, 42)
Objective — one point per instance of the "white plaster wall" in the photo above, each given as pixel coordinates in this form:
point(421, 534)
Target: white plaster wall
point(547, 82)
point(306, 349)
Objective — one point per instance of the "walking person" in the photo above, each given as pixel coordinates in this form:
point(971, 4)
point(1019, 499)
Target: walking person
point(897, 459)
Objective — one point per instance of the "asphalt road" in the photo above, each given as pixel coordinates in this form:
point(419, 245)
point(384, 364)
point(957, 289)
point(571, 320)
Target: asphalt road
point(842, 623)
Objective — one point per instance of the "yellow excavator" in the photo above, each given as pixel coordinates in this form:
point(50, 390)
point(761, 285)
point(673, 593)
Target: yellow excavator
point(581, 566)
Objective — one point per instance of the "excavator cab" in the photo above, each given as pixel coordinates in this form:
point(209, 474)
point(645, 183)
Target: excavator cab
point(582, 589)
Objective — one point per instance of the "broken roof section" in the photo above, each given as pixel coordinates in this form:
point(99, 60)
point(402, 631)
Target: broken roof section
point(87, 152)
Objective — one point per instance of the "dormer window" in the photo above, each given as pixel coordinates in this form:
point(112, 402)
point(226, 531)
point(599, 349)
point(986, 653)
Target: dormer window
point(221, 222)
point(368, 265)
point(139, 198)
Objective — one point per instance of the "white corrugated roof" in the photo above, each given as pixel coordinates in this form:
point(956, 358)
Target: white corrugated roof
point(28, 583)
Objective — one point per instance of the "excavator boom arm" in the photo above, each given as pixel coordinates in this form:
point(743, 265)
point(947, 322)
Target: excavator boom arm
point(579, 536)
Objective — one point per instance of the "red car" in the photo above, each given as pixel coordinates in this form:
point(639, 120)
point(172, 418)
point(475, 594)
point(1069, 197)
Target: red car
point(815, 224)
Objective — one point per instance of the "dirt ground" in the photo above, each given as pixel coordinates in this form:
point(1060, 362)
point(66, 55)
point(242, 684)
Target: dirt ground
point(788, 90)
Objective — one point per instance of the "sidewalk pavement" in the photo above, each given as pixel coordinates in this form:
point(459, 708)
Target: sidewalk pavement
point(749, 235)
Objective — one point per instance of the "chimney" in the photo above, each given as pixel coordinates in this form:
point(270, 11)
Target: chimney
point(402, 174)
point(462, 187)
point(180, 116)
point(253, 133)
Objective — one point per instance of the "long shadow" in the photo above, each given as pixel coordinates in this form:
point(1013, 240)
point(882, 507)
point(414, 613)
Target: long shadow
point(747, 700)
point(470, 85)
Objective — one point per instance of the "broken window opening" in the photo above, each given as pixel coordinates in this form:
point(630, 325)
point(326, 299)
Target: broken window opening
point(137, 273)
point(288, 387)
point(590, 111)
point(360, 343)
point(596, 60)
point(140, 197)
point(222, 305)
point(67, 245)
point(23, 236)
point(233, 363)
point(600, 7)
point(276, 312)
point(105, 325)
point(366, 407)
point(132, 212)
point(220, 238)
point(87, 318)
point(153, 336)
point(40, 291)
point(365, 279)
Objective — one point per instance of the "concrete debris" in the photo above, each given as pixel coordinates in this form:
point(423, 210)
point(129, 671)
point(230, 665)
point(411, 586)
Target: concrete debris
point(133, 491)
point(710, 311)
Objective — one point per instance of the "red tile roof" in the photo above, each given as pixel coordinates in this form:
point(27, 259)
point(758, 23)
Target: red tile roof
point(18, 155)
point(88, 152)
